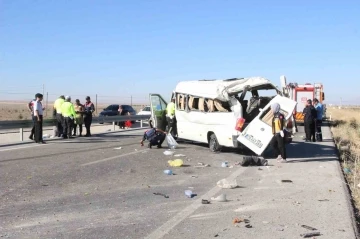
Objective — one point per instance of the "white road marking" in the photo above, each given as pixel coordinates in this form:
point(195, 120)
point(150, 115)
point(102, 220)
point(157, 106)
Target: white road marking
point(178, 218)
point(25, 147)
point(114, 157)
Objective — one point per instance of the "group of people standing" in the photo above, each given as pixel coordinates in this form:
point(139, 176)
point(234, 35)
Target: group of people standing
point(69, 116)
point(313, 114)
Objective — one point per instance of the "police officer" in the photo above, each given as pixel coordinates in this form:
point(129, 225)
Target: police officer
point(170, 118)
point(318, 122)
point(38, 114)
point(69, 114)
point(59, 117)
point(310, 116)
point(278, 141)
point(89, 110)
point(154, 136)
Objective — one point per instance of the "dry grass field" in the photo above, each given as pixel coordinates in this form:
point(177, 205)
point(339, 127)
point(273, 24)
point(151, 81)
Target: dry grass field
point(346, 132)
point(18, 110)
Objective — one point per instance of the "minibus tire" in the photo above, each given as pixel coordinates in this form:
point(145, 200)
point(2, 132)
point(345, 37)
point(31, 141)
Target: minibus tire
point(214, 145)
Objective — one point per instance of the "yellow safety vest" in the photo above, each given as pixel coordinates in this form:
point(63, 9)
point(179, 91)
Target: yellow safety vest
point(170, 109)
point(57, 105)
point(67, 109)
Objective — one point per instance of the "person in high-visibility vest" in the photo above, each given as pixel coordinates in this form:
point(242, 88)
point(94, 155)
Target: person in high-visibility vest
point(57, 113)
point(69, 114)
point(170, 118)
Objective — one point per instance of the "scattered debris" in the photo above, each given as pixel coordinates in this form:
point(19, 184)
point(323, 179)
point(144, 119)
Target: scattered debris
point(216, 235)
point(179, 155)
point(220, 198)
point(168, 172)
point(265, 222)
point(118, 148)
point(194, 176)
point(341, 230)
point(260, 169)
point(248, 226)
point(190, 194)
point(253, 161)
point(176, 163)
point(286, 181)
point(44, 185)
point(202, 165)
point(224, 164)
point(204, 201)
point(309, 228)
point(224, 183)
point(323, 200)
point(161, 194)
point(238, 220)
point(168, 153)
point(231, 166)
point(311, 234)
point(298, 203)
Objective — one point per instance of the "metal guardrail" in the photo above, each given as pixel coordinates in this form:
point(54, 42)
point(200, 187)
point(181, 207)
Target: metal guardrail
point(21, 124)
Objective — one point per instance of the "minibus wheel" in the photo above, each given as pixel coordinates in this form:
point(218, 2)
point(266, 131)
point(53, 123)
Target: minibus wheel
point(214, 145)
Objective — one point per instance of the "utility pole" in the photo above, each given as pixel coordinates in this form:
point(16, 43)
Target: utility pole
point(43, 93)
point(46, 105)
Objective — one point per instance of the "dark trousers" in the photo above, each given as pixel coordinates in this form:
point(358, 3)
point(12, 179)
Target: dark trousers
point(310, 130)
point(278, 144)
point(172, 124)
point(158, 139)
point(39, 129)
point(68, 124)
point(80, 128)
point(59, 125)
point(87, 122)
point(318, 130)
point(32, 133)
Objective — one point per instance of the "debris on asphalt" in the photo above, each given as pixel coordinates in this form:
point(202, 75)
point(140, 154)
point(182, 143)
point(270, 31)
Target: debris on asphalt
point(44, 185)
point(118, 148)
point(224, 183)
point(248, 226)
point(265, 222)
point(224, 164)
point(202, 165)
point(309, 228)
point(220, 198)
point(311, 234)
point(168, 172)
point(179, 155)
point(204, 201)
point(281, 228)
point(323, 200)
point(131, 171)
point(168, 153)
point(286, 181)
point(194, 176)
point(190, 194)
point(253, 161)
point(161, 194)
point(176, 163)
point(260, 169)
point(216, 235)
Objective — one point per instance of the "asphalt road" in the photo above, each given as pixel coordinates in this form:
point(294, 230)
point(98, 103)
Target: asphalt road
point(103, 187)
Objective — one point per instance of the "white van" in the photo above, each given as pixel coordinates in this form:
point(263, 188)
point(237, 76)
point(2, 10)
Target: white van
point(224, 113)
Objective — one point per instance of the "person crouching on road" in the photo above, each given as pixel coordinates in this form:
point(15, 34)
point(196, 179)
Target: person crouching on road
point(278, 141)
point(154, 136)
point(38, 113)
point(68, 112)
point(79, 119)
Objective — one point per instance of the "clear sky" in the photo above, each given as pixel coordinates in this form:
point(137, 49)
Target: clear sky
point(120, 48)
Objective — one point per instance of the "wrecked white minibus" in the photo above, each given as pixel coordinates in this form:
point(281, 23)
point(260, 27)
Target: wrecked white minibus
point(224, 113)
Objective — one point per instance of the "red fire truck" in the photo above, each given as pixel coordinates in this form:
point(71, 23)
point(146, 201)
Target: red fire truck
point(301, 93)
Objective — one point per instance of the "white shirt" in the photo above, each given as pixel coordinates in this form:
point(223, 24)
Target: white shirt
point(38, 107)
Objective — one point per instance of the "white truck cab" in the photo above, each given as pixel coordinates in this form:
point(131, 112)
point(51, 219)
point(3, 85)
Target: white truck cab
point(224, 113)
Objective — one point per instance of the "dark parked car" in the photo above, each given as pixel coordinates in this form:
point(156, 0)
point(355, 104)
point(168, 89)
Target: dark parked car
point(113, 110)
